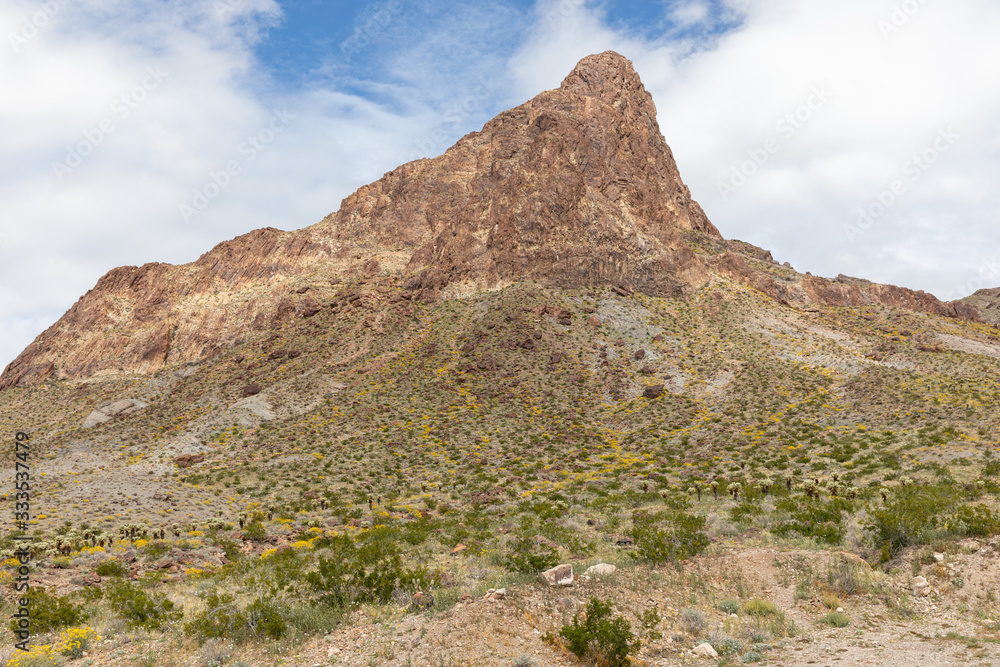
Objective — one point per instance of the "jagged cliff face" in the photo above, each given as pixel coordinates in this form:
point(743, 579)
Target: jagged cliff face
point(575, 188)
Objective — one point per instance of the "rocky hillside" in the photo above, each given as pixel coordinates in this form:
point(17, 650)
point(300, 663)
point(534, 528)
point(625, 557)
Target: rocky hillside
point(576, 188)
point(987, 302)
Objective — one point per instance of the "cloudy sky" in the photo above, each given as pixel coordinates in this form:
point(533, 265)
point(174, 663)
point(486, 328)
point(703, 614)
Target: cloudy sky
point(858, 137)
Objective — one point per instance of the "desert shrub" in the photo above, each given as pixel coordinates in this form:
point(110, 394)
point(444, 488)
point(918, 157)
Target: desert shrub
point(223, 618)
point(50, 613)
point(138, 608)
point(254, 531)
point(667, 536)
point(725, 646)
point(38, 656)
point(111, 568)
point(849, 578)
point(74, 641)
point(608, 641)
point(369, 571)
point(155, 550)
point(693, 621)
point(758, 607)
point(974, 521)
point(819, 518)
point(529, 556)
point(909, 516)
point(836, 619)
point(745, 511)
point(214, 652)
point(650, 619)
point(730, 606)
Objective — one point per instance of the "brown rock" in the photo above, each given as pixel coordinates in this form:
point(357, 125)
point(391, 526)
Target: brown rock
point(250, 390)
point(188, 460)
point(653, 391)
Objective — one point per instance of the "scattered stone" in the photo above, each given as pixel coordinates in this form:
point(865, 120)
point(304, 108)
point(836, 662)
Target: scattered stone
point(920, 587)
point(704, 650)
point(498, 594)
point(639, 354)
point(939, 557)
point(560, 575)
point(600, 570)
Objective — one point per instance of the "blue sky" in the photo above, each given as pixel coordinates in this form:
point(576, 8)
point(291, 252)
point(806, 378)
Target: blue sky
point(859, 137)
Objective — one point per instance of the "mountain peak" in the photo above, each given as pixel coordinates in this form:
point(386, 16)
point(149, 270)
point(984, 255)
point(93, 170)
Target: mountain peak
point(575, 188)
point(609, 76)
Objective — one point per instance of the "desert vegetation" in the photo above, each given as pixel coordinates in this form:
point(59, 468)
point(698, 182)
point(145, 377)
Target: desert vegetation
point(384, 460)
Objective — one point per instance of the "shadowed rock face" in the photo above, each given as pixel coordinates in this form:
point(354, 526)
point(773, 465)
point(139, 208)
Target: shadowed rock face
point(575, 188)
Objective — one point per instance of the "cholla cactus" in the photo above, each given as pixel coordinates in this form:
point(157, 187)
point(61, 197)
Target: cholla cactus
point(734, 490)
point(715, 488)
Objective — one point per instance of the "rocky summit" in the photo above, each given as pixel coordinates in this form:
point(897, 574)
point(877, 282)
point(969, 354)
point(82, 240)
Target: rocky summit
point(519, 404)
point(575, 188)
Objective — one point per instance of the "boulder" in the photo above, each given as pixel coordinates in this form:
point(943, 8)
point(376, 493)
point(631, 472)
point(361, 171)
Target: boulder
point(188, 460)
point(704, 650)
point(106, 412)
point(653, 391)
point(601, 570)
point(920, 587)
point(560, 575)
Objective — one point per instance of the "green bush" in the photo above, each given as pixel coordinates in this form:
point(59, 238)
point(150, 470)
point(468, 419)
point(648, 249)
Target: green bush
point(974, 521)
point(111, 568)
point(50, 613)
point(529, 556)
point(909, 516)
point(819, 518)
point(667, 537)
point(745, 511)
point(730, 606)
point(223, 618)
point(255, 532)
point(366, 572)
point(138, 608)
point(155, 550)
point(608, 641)
point(758, 607)
point(836, 619)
